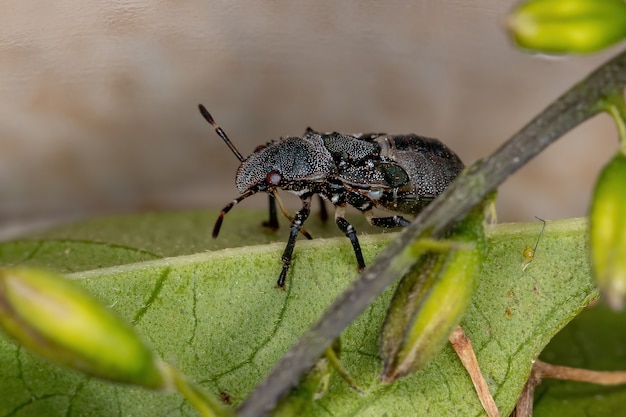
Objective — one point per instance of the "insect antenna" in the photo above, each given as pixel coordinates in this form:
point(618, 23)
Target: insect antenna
point(205, 113)
point(225, 210)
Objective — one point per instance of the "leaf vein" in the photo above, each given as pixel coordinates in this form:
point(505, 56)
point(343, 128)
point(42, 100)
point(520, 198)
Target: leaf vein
point(158, 286)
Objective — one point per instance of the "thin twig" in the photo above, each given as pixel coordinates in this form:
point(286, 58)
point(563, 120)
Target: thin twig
point(575, 106)
point(546, 370)
point(464, 350)
point(542, 370)
point(524, 406)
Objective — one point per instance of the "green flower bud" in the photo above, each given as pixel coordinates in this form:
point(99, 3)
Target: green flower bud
point(59, 320)
point(568, 26)
point(431, 299)
point(607, 231)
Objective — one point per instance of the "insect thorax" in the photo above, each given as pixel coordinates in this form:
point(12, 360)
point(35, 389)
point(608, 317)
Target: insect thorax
point(296, 159)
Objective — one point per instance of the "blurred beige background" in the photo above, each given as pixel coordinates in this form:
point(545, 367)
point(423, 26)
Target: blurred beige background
point(99, 99)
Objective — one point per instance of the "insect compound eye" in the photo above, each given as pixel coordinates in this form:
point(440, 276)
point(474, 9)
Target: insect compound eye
point(273, 178)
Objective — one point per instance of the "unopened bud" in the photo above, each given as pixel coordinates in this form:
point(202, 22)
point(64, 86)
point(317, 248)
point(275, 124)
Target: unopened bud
point(607, 229)
point(57, 319)
point(431, 300)
point(568, 26)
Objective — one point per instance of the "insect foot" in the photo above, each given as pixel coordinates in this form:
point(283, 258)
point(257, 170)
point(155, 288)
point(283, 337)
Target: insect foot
point(398, 173)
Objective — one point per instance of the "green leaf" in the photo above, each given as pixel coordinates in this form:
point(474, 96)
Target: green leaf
point(594, 340)
point(216, 314)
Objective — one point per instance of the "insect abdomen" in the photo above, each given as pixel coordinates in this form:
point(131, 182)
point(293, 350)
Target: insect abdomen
point(431, 167)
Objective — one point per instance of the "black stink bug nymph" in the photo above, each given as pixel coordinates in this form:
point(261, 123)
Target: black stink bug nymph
point(396, 173)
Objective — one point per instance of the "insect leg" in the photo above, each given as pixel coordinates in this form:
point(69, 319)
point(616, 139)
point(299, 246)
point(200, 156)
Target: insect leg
point(387, 222)
point(349, 231)
point(272, 223)
point(220, 219)
point(296, 225)
point(278, 201)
